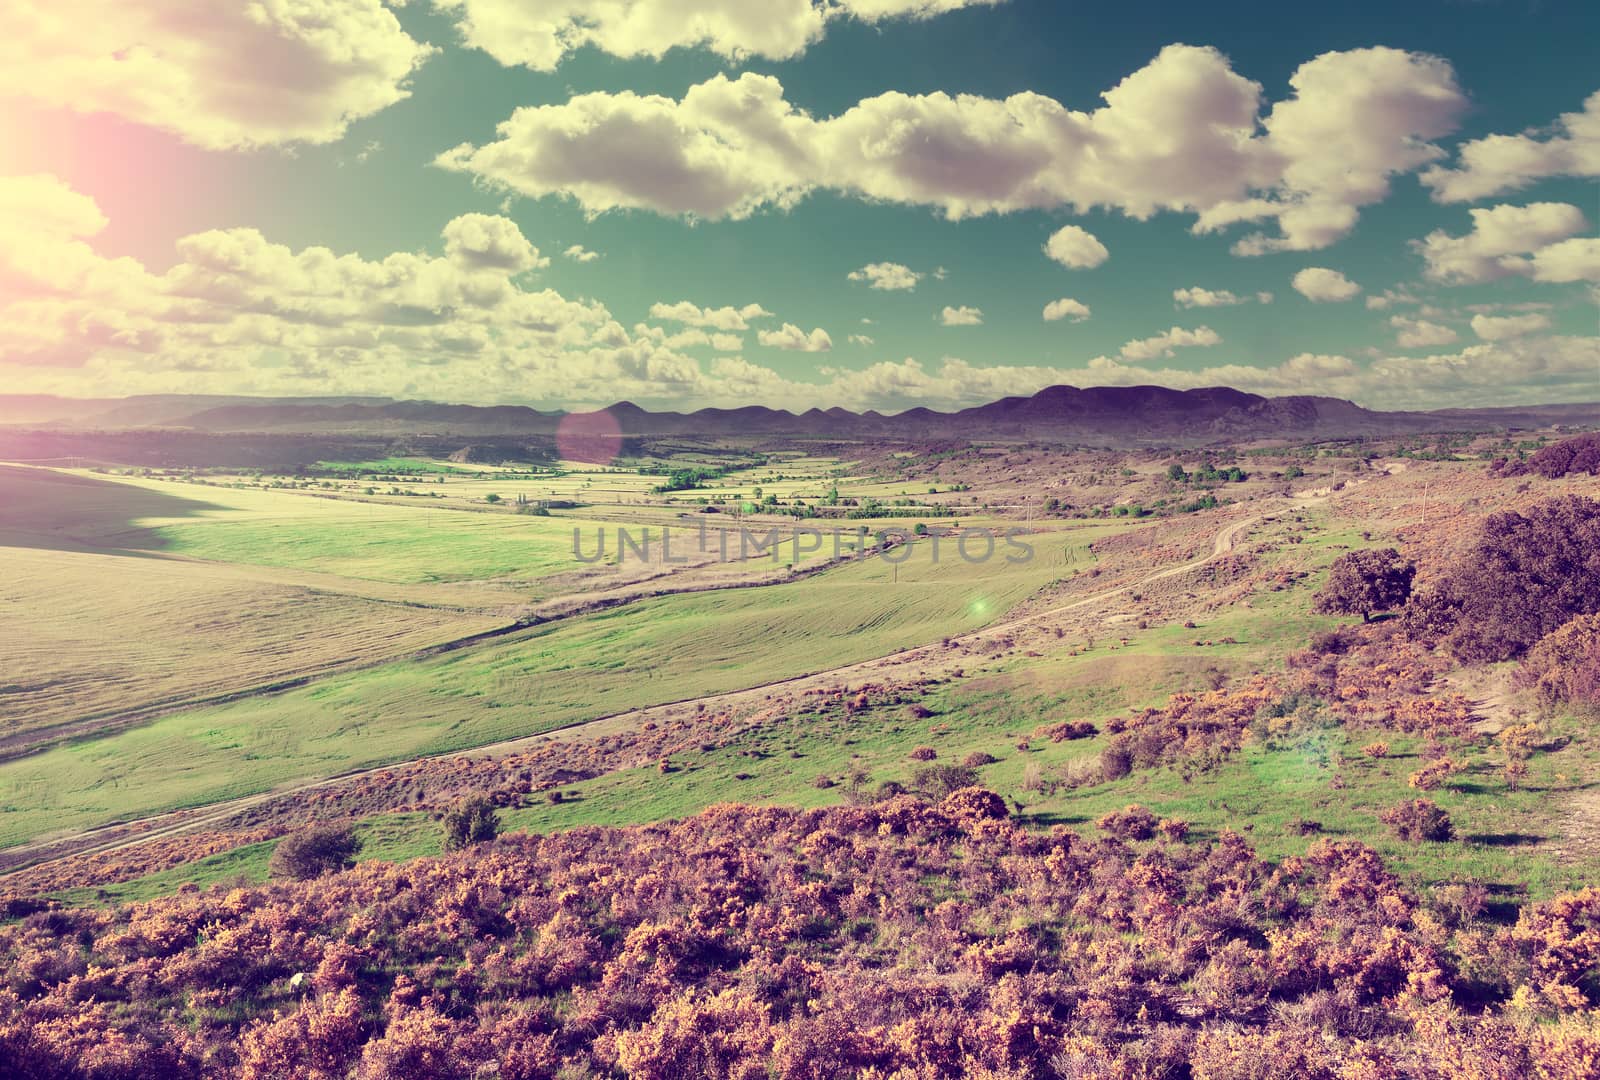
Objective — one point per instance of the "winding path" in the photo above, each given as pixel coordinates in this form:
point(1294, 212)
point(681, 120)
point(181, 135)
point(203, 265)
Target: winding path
point(177, 822)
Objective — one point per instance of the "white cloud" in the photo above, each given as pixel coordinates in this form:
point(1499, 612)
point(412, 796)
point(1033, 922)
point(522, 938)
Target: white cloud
point(723, 318)
point(1419, 333)
point(237, 313)
point(1164, 343)
point(727, 149)
point(579, 253)
point(1506, 327)
point(1390, 298)
point(1184, 133)
point(793, 339)
point(237, 310)
point(1526, 369)
point(1577, 259)
point(489, 242)
point(1502, 163)
point(862, 339)
point(1066, 308)
point(1500, 243)
point(961, 316)
point(1321, 285)
point(1197, 297)
point(1076, 248)
point(886, 275)
point(1356, 119)
point(219, 75)
point(540, 35)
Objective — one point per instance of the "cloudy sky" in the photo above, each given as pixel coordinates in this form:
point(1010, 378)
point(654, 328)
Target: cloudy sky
point(868, 203)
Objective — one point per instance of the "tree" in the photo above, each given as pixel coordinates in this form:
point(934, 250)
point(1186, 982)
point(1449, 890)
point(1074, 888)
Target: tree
point(1366, 581)
point(1528, 574)
point(1580, 454)
point(1176, 473)
point(313, 852)
point(470, 821)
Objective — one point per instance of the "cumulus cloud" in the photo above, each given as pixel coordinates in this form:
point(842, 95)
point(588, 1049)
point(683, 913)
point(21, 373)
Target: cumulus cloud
point(793, 339)
point(728, 148)
point(862, 339)
point(961, 316)
point(541, 35)
point(1577, 259)
point(1323, 286)
point(886, 275)
point(1506, 327)
point(1419, 333)
point(490, 242)
point(221, 76)
point(1501, 163)
point(1195, 296)
point(1185, 133)
point(723, 318)
point(1066, 308)
point(240, 312)
point(1356, 119)
point(1524, 369)
point(1076, 248)
point(579, 253)
point(1506, 241)
point(1164, 343)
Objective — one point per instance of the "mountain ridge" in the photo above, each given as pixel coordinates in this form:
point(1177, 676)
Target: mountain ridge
point(1120, 413)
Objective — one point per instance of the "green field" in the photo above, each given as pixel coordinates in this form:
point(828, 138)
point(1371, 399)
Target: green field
point(1264, 792)
point(662, 650)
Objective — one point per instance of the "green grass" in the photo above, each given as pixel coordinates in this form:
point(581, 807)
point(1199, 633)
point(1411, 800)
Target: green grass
point(663, 650)
point(1505, 836)
point(389, 837)
point(385, 543)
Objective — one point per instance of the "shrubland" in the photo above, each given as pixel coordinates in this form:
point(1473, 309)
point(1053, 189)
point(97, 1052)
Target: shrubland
point(903, 938)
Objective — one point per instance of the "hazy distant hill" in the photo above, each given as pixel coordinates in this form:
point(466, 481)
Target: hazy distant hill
point(143, 410)
point(1119, 415)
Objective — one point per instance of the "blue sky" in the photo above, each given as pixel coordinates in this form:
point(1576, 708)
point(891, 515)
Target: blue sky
point(321, 200)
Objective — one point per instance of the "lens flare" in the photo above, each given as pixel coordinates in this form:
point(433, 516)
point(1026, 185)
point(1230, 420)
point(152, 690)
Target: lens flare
point(593, 438)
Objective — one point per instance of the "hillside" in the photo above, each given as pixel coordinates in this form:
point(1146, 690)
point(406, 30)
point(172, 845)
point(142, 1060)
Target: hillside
point(1145, 805)
point(901, 939)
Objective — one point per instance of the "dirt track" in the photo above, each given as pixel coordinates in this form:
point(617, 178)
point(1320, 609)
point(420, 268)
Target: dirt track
point(164, 825)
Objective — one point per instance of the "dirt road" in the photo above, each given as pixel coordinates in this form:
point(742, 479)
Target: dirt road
point(1224, 542)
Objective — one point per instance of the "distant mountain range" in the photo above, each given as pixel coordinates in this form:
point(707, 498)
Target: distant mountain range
point(1109, 415)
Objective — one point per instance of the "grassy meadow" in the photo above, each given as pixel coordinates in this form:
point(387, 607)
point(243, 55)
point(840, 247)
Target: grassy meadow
point(655, 651)
point(379, 575)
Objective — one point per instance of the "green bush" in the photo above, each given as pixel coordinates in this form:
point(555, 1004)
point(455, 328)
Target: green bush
point(313, 852)
point(470, 821)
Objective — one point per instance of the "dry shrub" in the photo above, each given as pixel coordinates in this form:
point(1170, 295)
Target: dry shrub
point(1417, 820)
point(1134, 822)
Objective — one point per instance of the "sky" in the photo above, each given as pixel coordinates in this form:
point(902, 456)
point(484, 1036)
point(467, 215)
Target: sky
point(865, 203)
